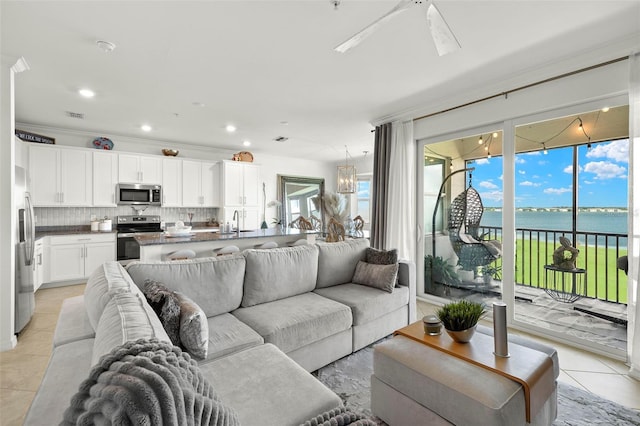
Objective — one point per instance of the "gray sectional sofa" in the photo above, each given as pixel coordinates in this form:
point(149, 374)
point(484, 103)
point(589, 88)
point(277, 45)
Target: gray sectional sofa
point(273, 316)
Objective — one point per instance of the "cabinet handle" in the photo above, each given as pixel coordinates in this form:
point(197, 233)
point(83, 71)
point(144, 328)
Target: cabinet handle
point(40, 259)
point(84, 239)
point(244, 200)
point(86, 251)
point(113, 198)
point(62, 197)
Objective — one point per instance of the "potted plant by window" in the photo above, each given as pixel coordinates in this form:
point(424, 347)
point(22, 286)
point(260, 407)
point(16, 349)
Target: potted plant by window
point(460, 319)
point(489, 273)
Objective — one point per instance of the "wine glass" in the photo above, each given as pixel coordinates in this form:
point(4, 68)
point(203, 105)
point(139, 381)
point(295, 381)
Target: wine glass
point(190, 214)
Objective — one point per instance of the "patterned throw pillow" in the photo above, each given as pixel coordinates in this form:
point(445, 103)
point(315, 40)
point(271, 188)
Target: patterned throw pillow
point(194, 329)
point(381, 257)
point(166, 305)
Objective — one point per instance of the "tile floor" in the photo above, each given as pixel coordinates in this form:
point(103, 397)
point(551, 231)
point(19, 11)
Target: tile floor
point(21, 369)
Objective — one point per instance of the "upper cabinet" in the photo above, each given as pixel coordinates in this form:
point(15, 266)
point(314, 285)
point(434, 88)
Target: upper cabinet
point(139, 169)
point(200, 187)
point(171, 182)
point(105, 178)
point(241, 193)
point(60, 176)
point(240, 184)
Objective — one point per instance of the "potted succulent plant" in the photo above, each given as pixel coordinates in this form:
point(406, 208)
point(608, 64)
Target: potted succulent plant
point(460, 319)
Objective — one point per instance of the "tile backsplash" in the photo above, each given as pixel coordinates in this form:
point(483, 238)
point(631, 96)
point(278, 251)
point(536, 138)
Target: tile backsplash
point(69, 216)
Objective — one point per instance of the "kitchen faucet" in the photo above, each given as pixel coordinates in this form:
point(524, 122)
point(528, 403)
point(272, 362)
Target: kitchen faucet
point(236, 218)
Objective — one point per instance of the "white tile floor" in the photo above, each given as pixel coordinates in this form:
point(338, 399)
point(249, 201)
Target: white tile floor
point(22, 368)
point(600, 375)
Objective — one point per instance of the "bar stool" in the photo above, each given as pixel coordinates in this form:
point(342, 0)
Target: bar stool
point(181, 255)
point(267, 245)
point(226, 250)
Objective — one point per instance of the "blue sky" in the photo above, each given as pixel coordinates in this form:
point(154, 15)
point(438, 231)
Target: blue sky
point(545, 180)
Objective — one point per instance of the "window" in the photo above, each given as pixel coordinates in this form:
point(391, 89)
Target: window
point(363, 202)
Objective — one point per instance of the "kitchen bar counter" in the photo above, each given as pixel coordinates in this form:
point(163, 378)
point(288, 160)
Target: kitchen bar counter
point(156, 245)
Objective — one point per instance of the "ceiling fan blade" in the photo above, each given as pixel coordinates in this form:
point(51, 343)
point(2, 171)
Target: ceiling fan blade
point(367, 31)
point(442, 35)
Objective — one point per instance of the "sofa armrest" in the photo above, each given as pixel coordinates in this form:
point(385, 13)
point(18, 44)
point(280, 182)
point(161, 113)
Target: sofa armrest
point(407, 277)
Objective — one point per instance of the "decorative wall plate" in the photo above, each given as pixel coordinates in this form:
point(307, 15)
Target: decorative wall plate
point(102, 143)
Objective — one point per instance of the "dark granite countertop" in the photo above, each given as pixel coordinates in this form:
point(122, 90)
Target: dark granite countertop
point(155, 238)
point(44, 231)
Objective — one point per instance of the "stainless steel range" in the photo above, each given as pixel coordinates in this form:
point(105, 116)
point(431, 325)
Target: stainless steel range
point(128, 227)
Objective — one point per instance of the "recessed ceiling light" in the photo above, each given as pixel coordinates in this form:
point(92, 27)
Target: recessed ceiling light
point(495, 134)
point(105, 46)
point(198, 104)
point(605, 109)
point(145, 128)
point(230, 128)
point(246, 143)
point(87, 93)
point(284, 123)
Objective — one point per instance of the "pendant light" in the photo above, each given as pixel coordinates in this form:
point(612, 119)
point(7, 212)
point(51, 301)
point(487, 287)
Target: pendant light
point(346, 176)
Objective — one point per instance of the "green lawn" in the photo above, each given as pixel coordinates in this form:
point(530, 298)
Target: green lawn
point(604, 281)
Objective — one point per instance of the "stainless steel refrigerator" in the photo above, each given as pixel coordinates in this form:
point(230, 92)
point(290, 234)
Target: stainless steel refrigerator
point(25, 265)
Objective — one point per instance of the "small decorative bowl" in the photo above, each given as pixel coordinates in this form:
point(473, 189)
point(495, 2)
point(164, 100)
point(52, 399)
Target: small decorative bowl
point(170, 152)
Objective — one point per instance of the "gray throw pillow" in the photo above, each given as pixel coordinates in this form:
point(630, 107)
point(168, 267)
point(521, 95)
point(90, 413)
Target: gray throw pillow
point(377, 276)
point(381, 257)
point(166, 305)
point(194, 329)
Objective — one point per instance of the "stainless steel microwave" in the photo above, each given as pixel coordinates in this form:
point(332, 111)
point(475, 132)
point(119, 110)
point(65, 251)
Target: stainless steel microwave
point(135, 194)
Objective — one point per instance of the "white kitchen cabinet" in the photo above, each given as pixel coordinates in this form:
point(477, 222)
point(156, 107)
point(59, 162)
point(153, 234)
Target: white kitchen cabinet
point(240, 183)
point(105, 178)
point(38, 264)
point(60, 176)
point(139, 169)
point(200, 184)
point(74, 257)
point(171, 182)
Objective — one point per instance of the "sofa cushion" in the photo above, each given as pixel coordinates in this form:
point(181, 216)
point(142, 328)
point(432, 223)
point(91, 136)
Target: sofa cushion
point(337, 261)
point(366, 303)
point(73, 322)
point(215, 283)
point(194, 328)
point(265, 386)
point(227, 334)
point(127, 316)
point(108, 278)
point(279, 273)
point(382, 277)
point(296, 321)
point(68, 366)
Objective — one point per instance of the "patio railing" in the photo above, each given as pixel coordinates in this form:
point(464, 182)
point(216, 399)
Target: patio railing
point(599, 252)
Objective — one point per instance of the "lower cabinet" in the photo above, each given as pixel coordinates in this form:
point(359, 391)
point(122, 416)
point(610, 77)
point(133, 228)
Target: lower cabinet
point(73, 257)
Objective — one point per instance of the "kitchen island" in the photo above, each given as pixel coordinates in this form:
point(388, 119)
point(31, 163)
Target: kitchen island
point(157, 245)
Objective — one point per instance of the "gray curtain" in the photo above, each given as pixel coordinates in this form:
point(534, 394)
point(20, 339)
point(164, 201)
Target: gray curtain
point(380, 185)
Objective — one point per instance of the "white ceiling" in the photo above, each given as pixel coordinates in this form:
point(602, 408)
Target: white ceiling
point(259, 63)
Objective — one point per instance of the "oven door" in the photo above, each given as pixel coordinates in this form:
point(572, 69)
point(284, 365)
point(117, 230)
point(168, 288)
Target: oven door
point(128, 248)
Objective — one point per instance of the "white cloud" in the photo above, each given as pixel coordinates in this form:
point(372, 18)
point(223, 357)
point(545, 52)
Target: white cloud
point(491, 195)
point(522, 172)
point(616, 150)
point(588, 182)
point(488, 184)
point(569, 169)
point(482, 161)
point(529, 183)
point(543, 162)
point(536, 177)
point(556, 191)
point(605, 170)
point(520, 160)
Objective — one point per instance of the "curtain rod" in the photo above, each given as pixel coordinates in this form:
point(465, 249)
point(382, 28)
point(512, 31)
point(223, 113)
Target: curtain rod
point(526, 86)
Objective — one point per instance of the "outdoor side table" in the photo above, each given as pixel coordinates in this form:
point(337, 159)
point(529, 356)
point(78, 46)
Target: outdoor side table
point(564, 285)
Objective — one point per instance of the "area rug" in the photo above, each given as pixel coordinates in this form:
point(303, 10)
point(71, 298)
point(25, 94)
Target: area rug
point(349, 377)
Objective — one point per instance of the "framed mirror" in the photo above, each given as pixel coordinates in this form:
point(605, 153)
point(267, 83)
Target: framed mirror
point(300, 196)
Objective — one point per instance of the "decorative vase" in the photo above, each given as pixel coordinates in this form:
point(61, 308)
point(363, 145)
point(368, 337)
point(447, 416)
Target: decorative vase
point(462, 336)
